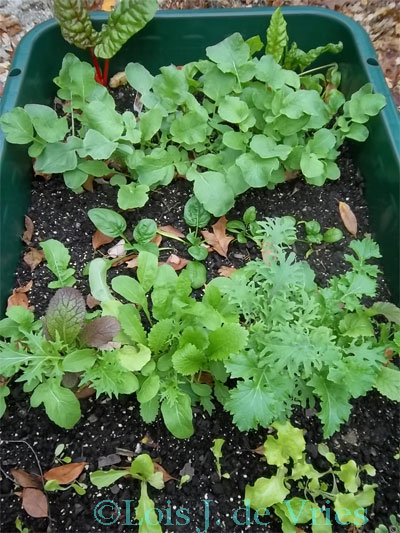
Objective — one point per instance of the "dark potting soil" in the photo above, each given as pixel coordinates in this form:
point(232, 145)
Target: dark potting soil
point(368, 437)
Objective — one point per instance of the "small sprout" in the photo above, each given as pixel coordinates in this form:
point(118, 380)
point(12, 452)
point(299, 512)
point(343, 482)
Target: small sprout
point(217, 452)
point(20, 527)
point(184, 479)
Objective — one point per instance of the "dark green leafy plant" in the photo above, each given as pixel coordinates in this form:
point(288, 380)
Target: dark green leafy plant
point(228, 123)
point(307, 342)
point(127, 18)
point(286, 451)
point(51, 356)
point(142, 469)
point(184, 339)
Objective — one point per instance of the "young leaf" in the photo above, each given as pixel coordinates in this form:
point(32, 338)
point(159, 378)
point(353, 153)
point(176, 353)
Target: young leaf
point(288, 444)
point(131, 290)
point(98, 279)
point(75, 23)
point(98, 332)
point(107, 221)
point(213, 192)
point(65, 315)
point(177, 414)
point(102, 479)
point(195, 215)
point(387, 383)
point(267, 492)
point(61, 404)
point(226, 340)
point(131, 196)
point(58, 258)
point(145, 231)
point(46, 122)
point(146, 514)
point(79, 360)
point(134, 358)
point(197, 273)
point(147, 270)
point(277, 38)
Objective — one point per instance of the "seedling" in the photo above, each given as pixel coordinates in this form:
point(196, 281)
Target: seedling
point(217, 452)
point(184, 479)
point(246, 228)
point(127, 18)
point(393, 528)
point(54, 486)
point(314, 235)
point(59, 455)
point(20, 527)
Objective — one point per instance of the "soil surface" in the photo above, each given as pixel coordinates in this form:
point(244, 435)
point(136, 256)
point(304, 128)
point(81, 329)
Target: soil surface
point(368, 437)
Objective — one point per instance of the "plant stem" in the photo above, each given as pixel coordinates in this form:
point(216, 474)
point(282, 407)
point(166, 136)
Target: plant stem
point(105, 74)
point(317, 68)
point(99, 75)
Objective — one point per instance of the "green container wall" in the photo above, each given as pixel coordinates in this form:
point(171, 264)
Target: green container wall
point(181, 36)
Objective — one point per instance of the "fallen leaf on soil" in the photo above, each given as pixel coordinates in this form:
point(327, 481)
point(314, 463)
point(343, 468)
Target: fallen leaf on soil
point(157, 239)
point(99, 239)
point(88, 185)
point(34, 257)
point(108, 460)
point(165, 475)
point(118, 250)
point(226, 271)
point(84, 393)
point(35, 503)
point(291, 175)
point(24, 479)
point(218, 239)
point(176, 262)
point(91, 301)
point(117, 80)
point(348, 218)
point(260, 450)
point(66, 473)
point(29, 229)
point(205, 377)
point(172, 231)
point(19, 296)
point(133, 262)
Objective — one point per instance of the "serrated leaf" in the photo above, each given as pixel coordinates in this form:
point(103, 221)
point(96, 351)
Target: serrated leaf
point(65, 315)
point(288, 444)
point(131, 324)
point(188, 360)
point(388, 382)
point(227, 340)
point(58, 258)
point(160, 335)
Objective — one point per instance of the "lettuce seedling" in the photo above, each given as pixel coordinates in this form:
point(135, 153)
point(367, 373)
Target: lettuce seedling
point(127, 18)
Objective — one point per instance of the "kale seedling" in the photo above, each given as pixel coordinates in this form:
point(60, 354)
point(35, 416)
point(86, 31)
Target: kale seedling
point(127, 18)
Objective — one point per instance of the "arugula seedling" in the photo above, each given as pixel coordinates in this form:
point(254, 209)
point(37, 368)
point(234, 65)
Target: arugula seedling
point(59, 455)
point(126, 19)
point(53, 486)
point(217, 452)
point(286, 451)
point(142, 469)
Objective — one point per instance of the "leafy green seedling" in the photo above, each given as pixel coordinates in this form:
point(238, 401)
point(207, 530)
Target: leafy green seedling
point(184, 479)
point(20, 527)
point(53, 486)
point(217, 452)
point(59, 455)
point(196, 217)
point(142, 469)
point(127, 18)
point(393, 528)
point(246, 228)
point(315, 236)
point(58, 258)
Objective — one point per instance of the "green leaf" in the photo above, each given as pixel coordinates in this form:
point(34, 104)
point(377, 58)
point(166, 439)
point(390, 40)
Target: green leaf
point(271, 73)
point(98, 269)
point(335, 406)
point(23, 317)
point(149, 388)
point(101, 479)
point(267, 148)
point(134, 358)
point(171, 87)
point(139, 78)
point(127, 18)
point(58, 157)
point(61, 404)
point(357, 132)
point(58, 258)
point(387, 383)
point(226, 340)
point(348, 473)
point(267, 491)
point(230, 54)
point(217, 84)
point(76, 81)
point(74, 179)
point(190, 128)
point(288, 444)
point(390, 311)
point(4, 392)
point(94, 168)
point(131, 290)
point(150, 123)
point(142, 467)
point(213, 192)
point(349, 508)
point(145, 230)
point(235, 139)
point(17, 126)
point(79, 360)
point(356, 325)
point(194, 213)
point(160, 335)
point(233, 110)
point(197, 273)
point(363, 104)
point(65, 315)
point(75, 23)
point(146, 514)
point(147, 269)
point(188, 360)
point(102, 117)
point(257, 171)
point(277, 37)
point(97, 146)
point(333, 235)
point(131, 324)
point(46, 122)
point(177, 414)
point(107, 221)
point(149, 410)
point(255, 44)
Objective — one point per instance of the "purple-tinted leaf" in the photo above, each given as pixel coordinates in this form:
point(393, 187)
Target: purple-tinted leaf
point(65, 314)
point(100, 331)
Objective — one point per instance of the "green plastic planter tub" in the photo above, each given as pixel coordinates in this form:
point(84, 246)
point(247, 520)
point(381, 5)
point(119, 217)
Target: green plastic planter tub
point(181, 36)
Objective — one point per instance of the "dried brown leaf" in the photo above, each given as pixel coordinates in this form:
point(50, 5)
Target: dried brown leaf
point(260, 450)
point(176, 262)
point(172, 231)
point(205, 377)
point(34, 257)
point(91, 301)
point(85, 392)
point(35, 503)
point(19, 296)
point(24, 479)
point(166, 476)
point(133, 262)
point(348, 218)
point(88, 185)
point(66, 473)
point(118, 250)
point(99, 239)
point(226, 271)
point(218, 239)
point(9, 25)
point(157, 239)
point(29, 229)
